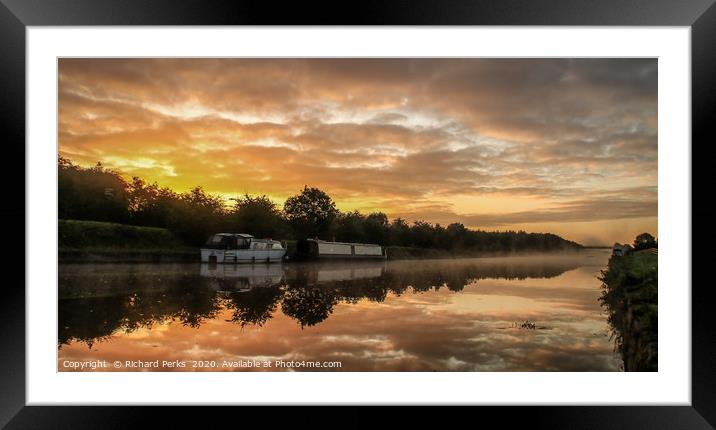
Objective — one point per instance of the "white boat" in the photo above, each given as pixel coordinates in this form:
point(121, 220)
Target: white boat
point(241, 248)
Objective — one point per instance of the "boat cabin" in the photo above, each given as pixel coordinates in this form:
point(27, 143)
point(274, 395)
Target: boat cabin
point(241, 248)
point(240, 241)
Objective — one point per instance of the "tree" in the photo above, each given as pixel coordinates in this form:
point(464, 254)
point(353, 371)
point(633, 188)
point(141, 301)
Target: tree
point(422, 234)
point(311, 213)
point(457, 235)
point(399, 232)
point(376, 228)
point(197, 215)
point(258, 216)
point(349, 227)
point(644, 241)
point(150, 205)
point(94, 193)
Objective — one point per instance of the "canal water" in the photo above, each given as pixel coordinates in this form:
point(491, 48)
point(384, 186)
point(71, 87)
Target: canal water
point(535, 313)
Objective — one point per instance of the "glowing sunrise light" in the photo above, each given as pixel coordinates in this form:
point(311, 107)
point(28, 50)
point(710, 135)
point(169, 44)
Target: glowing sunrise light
point(560, 145)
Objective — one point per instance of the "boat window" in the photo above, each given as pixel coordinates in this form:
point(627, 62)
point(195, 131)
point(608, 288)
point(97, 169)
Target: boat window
point(242, 243)
point(216, 241)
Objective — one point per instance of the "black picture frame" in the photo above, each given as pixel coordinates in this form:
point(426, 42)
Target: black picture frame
point(699, 15)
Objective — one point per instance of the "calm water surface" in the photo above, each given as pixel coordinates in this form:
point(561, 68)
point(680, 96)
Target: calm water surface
point(428, 315)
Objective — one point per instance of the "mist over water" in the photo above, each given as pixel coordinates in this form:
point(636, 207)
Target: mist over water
point(419, 315)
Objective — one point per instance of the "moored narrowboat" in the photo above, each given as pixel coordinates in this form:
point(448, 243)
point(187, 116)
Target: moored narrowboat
point(241, 248)
point(311, 249)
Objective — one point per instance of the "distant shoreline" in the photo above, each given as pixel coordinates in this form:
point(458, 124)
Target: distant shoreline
point(96, 242)
point(122, 255)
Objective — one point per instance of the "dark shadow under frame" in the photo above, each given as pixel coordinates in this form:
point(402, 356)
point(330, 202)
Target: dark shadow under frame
point(700, 15)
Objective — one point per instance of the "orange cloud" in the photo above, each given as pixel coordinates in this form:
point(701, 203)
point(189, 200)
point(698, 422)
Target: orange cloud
point(398, 135)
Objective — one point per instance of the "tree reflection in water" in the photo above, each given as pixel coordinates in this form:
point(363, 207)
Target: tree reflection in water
point(97, 301)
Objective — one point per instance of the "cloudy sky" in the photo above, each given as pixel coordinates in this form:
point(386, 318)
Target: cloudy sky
point(561, 145)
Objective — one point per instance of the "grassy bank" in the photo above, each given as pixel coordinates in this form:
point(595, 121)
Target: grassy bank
point(630, 295)
point(94, 241)
point(111, 242)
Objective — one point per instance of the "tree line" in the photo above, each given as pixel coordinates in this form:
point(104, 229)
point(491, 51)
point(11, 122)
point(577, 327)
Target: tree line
point(101, 194)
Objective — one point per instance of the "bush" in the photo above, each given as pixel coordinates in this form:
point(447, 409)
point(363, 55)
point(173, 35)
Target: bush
point(78, 234)
point(630, 295)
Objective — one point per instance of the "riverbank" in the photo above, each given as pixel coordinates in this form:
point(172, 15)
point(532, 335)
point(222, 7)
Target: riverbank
point(103, 242)
point(630, 296)
point(110, 255)
point(96, 242)
point(169, 255)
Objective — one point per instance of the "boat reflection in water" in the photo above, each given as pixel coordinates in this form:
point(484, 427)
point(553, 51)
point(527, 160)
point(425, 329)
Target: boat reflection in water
point(370, 315)
point(227, 278)
point(240, 278)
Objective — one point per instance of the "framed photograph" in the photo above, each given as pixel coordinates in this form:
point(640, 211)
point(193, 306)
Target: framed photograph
point(223, 208)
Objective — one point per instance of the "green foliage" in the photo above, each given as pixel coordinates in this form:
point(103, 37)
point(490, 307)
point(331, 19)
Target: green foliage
point(630, 296)
point(77, 234)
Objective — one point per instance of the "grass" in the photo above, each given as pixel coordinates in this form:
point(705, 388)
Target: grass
point(107, 236)
point(94, 241)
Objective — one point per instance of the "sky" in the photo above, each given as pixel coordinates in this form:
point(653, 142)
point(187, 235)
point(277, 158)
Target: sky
point(567, 146)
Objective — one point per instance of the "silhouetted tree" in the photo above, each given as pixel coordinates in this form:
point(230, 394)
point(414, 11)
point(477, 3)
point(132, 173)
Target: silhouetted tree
point(150, 205)
point(399, 233)
point(258, 216)
point(644, 241)
point(311, 213)
point(376, 228)
point(197, 216)
point(349, 227)
point(94, 193)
